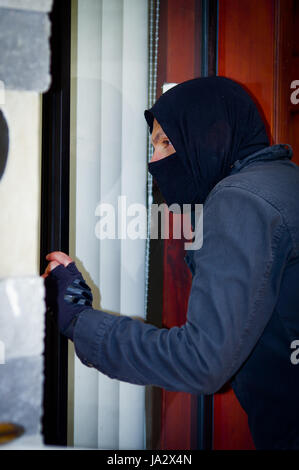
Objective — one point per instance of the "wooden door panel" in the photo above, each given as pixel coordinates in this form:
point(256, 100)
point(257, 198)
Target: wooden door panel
point(178, 61)
point(246, 49)
point(258, 47)
point(246, 54)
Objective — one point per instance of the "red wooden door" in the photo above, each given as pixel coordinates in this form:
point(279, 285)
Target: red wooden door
point(179, 60)
point(246, 52)
point(257, 46)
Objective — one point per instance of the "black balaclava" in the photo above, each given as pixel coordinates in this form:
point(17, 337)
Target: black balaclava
point(211, 122)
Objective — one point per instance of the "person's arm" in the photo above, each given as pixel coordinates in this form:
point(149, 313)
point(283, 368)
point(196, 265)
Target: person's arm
point(234, 291)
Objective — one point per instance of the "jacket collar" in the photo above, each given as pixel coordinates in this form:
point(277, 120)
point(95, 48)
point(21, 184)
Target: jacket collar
point(274, 152)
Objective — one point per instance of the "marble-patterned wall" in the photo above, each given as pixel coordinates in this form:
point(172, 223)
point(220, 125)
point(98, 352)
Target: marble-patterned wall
point(24, 74)
point(20, 186)
point(22, 328)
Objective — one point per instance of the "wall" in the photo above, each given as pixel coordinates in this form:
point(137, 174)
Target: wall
point(20, 186)
point(24, 74)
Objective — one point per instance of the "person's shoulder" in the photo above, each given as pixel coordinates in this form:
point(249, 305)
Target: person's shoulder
point(235, 186)
point(238, 194)
point(276, 183)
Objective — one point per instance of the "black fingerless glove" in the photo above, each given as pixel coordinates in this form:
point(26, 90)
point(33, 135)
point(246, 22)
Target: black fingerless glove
point(67, 294)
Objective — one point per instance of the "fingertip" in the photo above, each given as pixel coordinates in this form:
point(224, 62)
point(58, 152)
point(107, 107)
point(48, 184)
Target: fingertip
point(50, 256)
point(60, 257)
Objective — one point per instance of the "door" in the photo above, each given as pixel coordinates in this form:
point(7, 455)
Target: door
point(254, 42)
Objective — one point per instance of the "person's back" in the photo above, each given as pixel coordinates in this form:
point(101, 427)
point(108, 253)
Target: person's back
point(267, 383)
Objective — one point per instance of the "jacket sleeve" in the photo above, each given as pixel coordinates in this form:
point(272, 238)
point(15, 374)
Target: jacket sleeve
point(234, 289)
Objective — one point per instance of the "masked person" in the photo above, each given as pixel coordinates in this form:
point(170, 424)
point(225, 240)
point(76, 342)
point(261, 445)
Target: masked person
point(211, 148)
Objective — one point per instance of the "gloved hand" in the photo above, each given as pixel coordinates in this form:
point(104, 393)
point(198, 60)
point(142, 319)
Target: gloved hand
point(67, 294)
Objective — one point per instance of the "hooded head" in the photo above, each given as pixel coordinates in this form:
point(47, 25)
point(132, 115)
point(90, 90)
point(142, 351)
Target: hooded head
point(211, 122)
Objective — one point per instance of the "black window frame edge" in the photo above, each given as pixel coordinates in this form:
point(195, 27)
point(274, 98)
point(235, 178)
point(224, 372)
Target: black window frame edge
point(54, 229)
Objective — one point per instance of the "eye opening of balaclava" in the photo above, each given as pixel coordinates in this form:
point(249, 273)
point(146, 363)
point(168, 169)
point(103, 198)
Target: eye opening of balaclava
point(211, 122)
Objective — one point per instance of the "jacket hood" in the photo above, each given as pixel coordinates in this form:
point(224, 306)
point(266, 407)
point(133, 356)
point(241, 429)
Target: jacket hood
point(211, 122)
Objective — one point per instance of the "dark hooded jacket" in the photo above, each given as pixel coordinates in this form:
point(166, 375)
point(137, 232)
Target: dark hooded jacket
point(242, 321)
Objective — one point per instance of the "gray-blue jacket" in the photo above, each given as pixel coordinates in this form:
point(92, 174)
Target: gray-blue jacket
point(243, 311)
